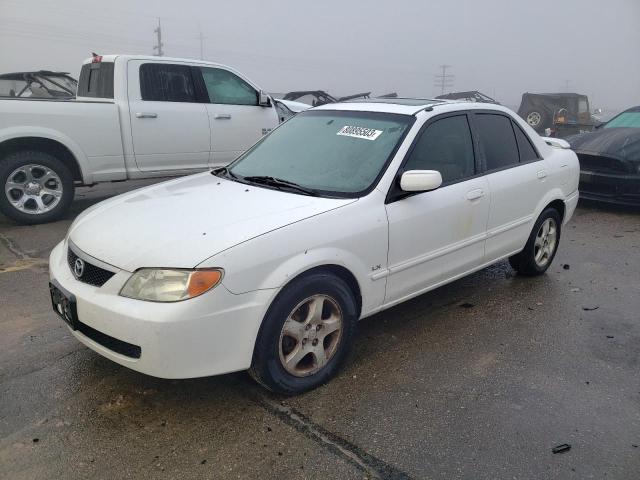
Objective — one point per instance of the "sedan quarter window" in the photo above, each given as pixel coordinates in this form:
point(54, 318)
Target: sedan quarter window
point(445, 146)
point(527, 152)
point(497, 140)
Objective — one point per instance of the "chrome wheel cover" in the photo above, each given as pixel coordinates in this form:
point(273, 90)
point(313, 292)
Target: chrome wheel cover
point(33, 189)
point(310, 335)
point(545, 242)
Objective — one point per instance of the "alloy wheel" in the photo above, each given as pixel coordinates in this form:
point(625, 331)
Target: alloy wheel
point(545, 242)
point(33, 189)
point(311, 335)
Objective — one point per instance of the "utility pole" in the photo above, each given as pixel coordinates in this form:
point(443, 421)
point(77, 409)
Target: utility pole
point(444, 79)
point(159, 45)
point(566, 85)
point(202, 38)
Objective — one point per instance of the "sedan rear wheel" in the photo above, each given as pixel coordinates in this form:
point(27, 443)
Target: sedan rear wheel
point(541, 246)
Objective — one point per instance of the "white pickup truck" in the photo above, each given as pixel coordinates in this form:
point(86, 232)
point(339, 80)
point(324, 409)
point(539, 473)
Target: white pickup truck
point(134, 117)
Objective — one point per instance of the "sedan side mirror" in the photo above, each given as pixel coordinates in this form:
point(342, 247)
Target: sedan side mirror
point(263, 99)
point(420, 180)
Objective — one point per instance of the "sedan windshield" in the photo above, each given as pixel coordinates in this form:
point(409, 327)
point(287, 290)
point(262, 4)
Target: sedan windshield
point(339, 153)
point(625, 119)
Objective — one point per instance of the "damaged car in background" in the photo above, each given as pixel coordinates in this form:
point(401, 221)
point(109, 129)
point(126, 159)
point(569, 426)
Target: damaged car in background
point(471, 96)
point(610, 160)
point(558, 114)
point(40, 84)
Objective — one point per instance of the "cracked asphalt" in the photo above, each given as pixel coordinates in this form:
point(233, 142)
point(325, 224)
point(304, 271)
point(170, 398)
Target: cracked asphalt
point(479, 379)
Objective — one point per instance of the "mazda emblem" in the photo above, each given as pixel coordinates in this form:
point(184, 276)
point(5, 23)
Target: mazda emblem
point(78, 267)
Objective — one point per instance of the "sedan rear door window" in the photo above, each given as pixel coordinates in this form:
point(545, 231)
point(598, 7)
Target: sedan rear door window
point(497, 140)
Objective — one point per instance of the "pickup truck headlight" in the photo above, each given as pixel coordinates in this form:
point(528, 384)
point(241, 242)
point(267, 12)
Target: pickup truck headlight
point(170, 285)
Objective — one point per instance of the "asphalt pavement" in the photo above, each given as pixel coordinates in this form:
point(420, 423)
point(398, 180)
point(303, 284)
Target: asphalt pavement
point(479, 379)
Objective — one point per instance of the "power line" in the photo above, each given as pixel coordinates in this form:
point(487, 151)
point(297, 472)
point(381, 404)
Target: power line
point(159, 45)
point(443, 79)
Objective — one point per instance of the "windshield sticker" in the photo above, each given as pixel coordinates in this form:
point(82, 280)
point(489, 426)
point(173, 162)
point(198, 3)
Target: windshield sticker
point(359, 132)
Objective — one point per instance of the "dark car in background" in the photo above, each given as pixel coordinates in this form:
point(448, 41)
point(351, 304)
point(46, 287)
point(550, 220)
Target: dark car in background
point(40, 84)
point(470, 96)
point(563, 113)
point(610, 160)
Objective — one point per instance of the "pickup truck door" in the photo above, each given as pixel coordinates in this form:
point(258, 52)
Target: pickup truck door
point(236, 119)
point(169, 126)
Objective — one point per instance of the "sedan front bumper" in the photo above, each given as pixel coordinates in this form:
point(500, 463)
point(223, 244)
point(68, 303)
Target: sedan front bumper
point(208, 335)
point(623, 189)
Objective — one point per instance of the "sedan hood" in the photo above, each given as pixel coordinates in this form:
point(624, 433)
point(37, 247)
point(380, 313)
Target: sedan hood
point(619, 143)
point(182, 222)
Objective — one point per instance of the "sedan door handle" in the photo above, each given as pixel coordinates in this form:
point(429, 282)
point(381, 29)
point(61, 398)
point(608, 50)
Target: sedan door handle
point(222, 116)
point(542, 174)
point(146, 115)
point(475, 194)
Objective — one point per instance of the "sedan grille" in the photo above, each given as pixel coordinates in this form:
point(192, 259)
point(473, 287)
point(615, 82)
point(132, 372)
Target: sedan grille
point(88, 273)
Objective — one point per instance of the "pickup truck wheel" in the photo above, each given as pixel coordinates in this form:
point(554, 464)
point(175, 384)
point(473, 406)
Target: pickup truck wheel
point(541, 247)
point(38, 188)
point(306, 335)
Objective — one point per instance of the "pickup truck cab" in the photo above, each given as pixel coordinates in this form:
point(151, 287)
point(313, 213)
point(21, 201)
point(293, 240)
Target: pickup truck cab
point(134, 117)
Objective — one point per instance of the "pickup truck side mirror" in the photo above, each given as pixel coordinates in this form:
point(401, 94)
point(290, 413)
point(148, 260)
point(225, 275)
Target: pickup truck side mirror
point(264, 100)
point(420, 180)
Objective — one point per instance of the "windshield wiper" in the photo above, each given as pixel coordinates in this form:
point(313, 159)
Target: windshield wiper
point(224, 171)
point(279, 183)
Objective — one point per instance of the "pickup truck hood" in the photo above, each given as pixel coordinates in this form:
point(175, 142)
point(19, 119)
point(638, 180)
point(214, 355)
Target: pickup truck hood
point(182, 222)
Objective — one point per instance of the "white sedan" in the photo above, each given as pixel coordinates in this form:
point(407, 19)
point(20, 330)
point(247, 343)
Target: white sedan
point(341, 212)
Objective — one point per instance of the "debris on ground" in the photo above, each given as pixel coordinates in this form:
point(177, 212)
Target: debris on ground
point(566, 266)
point(590, 309)
point(467, 305)
point(565, 447)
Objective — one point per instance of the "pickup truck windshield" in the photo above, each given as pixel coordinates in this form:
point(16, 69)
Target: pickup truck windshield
point(338, 153)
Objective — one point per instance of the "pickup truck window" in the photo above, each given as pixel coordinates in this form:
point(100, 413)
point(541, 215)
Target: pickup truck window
point(163, 82)
point(96, 80)
point(227, 88)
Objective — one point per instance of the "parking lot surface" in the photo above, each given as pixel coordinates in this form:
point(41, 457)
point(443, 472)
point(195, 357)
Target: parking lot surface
point(479, 379)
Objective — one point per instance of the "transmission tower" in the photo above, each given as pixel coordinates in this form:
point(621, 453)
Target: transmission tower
point(158, 46)
point(443, 80)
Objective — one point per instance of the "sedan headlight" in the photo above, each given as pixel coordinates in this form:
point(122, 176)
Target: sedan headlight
point(168, 285)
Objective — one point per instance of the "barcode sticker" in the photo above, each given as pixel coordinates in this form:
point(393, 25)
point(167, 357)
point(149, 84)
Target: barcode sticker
point(359, 132)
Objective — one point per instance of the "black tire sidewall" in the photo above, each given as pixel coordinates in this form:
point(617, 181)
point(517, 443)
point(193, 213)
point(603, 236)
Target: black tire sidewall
point(266, 365)
point(526, 262)
point(17, 159)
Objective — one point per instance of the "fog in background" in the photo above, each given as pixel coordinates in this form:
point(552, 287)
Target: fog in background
point(500, 47)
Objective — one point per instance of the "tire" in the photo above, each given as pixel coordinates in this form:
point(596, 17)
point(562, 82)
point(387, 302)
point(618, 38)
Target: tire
point(47, 174)
point(529, 262)
point(537, 119)
point(274, 346)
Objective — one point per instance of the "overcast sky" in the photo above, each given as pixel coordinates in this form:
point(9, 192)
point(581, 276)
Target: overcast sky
point(500, 47)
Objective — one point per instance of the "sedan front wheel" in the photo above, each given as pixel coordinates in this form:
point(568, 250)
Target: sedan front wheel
point(306, 334)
